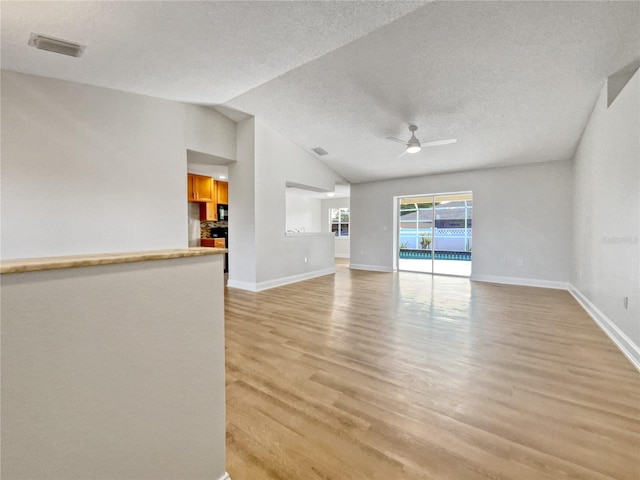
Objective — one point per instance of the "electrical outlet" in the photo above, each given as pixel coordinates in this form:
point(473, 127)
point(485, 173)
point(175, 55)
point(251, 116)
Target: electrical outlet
point(305, 259)
point(503, 261)
point(520, 262)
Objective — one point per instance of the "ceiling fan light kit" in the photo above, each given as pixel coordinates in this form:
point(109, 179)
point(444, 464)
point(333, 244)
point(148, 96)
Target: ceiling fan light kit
point(414, 146)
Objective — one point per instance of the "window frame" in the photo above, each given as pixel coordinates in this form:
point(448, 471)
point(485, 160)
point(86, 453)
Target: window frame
point(340, 223)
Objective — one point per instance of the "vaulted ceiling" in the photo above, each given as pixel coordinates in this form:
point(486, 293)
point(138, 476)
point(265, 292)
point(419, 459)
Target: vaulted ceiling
point(514, 82)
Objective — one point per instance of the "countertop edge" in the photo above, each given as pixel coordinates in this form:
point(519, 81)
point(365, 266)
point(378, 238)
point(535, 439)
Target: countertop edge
point(22, 265)
point(309, 234)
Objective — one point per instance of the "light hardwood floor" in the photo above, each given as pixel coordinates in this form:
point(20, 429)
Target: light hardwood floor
point(368, 375)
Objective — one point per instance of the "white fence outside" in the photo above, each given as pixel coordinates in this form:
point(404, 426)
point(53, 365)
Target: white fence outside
point(449, 239)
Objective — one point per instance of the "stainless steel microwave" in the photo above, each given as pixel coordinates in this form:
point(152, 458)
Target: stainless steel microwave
point(223, 212)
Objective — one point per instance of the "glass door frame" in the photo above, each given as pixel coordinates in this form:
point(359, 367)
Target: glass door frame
point(398, 217)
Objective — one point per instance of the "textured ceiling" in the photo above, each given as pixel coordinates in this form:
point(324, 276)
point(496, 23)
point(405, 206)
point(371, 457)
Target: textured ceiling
point(514, 82)
point(197, 52)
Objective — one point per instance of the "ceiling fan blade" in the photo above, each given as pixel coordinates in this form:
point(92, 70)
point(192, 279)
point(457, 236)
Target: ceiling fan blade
point(394, 139)
point(439, 142)
point(402, 154)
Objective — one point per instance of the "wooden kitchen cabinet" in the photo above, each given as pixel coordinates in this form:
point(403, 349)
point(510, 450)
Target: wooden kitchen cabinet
point(208, 212)
point(200, 188)
point(212, 242)
point(222, 192)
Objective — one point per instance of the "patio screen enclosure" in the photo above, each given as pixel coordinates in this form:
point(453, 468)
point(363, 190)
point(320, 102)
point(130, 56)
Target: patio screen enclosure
point(435, 233)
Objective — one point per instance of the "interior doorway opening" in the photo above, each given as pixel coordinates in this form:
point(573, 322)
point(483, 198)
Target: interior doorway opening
point(435, 233)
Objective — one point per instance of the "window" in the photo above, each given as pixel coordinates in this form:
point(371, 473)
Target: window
point(339, 218)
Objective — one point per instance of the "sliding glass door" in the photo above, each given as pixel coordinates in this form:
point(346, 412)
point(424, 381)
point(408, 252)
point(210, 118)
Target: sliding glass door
point(416, 234)
point(435, 233)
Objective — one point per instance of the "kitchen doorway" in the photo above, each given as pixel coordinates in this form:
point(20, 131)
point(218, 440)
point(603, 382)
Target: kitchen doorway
point(208, 219)
point(435, 233)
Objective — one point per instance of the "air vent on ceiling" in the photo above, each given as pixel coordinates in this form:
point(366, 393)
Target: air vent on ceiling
point(320, 151)
point(56, 45)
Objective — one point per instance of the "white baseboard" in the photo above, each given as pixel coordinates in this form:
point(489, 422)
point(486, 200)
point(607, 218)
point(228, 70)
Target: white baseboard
point(294, 278)
point(241, 285)
point(624, 343)
point(372, 268)
point(342, 255)
point(527, 282)
point(278, 282)
point(225, 477)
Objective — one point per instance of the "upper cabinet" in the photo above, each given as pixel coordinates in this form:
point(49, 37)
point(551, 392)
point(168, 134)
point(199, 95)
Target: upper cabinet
point(200, 188)
point(208, 193)
point(209, 210)
point(222, 192)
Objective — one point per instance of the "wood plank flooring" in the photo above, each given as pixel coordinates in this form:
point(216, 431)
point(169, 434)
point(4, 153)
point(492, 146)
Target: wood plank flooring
point(363, 375)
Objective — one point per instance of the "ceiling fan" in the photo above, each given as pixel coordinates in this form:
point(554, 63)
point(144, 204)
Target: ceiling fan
point(413, 144)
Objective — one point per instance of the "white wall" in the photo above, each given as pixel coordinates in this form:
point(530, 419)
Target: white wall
point(278, 161)
point(341, 244)
point(194, 224)
point(519, 212)
point(210, 132)
point(267, 161)
point(114, 372)
point(606, 245)
point(302, 212)
point(213, 171)
point(242, 198)
point(93, 170)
